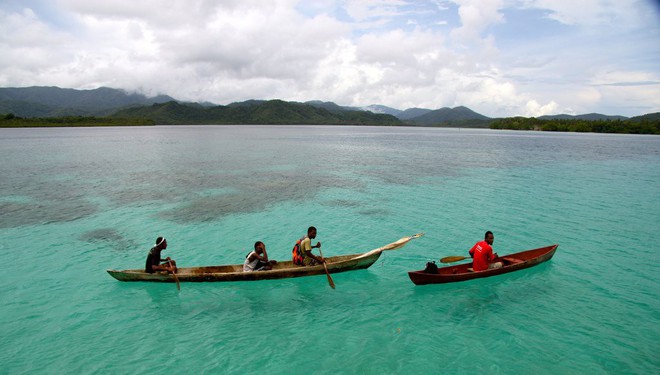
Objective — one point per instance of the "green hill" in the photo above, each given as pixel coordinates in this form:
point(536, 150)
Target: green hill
point(332, 107)
point(54, 106)
point(455, 117)
point(412, 113)
point(254, 112)
point(647, 117)
point(39, 101)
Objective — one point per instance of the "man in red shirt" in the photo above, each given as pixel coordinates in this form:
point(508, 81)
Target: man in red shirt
point(482, 254)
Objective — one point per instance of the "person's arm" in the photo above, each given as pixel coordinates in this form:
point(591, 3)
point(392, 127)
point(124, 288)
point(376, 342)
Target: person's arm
point(306, 247)
point(263, 258)
point(311, 255)
point(319, 258)
point(163, 267)
point(267, 259)
point(166, 264)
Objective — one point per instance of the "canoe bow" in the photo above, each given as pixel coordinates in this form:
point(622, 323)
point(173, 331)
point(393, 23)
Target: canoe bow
point(393, 246)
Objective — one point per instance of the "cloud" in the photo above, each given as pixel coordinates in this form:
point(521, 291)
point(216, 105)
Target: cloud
point(362, 10)
point(23, 38)
point(399, 53)
point(476, 17)
point(534, 109)
point(594, 12)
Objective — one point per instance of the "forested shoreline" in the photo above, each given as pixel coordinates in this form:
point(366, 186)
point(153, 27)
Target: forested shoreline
point(638, 125)
point(648, 124)
point(11, 121)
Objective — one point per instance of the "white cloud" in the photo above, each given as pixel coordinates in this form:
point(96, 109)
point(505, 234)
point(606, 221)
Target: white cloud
point(28, 44)
point(398, 53)
point(594, 12)
point(362, 10)
point(534, 109)
point(476, 16)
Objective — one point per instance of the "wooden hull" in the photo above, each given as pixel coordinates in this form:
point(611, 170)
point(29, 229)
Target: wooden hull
point(512, 262)
point(281, 270)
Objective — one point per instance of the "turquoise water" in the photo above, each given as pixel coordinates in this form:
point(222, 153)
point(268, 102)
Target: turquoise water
point(75, 202)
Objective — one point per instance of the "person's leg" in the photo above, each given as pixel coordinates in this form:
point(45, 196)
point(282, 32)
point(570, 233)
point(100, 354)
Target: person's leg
point(309, 261)
point(171, 266)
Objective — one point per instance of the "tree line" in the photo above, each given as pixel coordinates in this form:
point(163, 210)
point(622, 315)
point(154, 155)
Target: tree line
point(629, 126)
point(647, 124)
point(11, 121)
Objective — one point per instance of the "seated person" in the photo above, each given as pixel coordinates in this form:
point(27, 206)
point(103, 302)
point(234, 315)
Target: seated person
point(257, 260)
point(155, 263)
point(482, 254)
point(305, 255)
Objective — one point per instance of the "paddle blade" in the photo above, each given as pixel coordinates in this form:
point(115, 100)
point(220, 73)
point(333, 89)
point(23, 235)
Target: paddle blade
point(176, 278)
point(330, 281)
point(178, 286)
point(452, 259)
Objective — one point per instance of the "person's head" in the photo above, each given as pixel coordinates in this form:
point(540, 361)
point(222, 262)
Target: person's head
point(161, 243)
point(489, 237)
point(311, 232)
point(259, 247)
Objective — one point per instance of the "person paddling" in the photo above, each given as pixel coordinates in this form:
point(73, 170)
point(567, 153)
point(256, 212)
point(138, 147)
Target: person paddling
point(482, 254)
point(305, 247)
point(155, 263)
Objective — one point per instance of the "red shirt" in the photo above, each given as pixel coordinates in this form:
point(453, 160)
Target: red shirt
point(482, 253)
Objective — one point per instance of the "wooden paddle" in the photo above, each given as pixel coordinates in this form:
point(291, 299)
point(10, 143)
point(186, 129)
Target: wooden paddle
point(176, 278)
point(453, 259)
point(330, 281)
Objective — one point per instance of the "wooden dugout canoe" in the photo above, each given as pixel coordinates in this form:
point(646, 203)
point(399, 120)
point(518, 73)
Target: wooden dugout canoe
point(281, 270)
point(511, 262)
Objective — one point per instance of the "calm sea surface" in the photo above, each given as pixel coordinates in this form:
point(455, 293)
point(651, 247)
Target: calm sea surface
point(75, 202)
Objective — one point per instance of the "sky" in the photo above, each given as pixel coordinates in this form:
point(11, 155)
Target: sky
point(497, 57)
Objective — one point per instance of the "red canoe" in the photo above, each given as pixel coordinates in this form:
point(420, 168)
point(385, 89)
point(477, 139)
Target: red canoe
point(463, 272)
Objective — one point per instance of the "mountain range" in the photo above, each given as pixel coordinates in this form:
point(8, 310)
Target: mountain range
point(55, 101)
point(31, 102)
